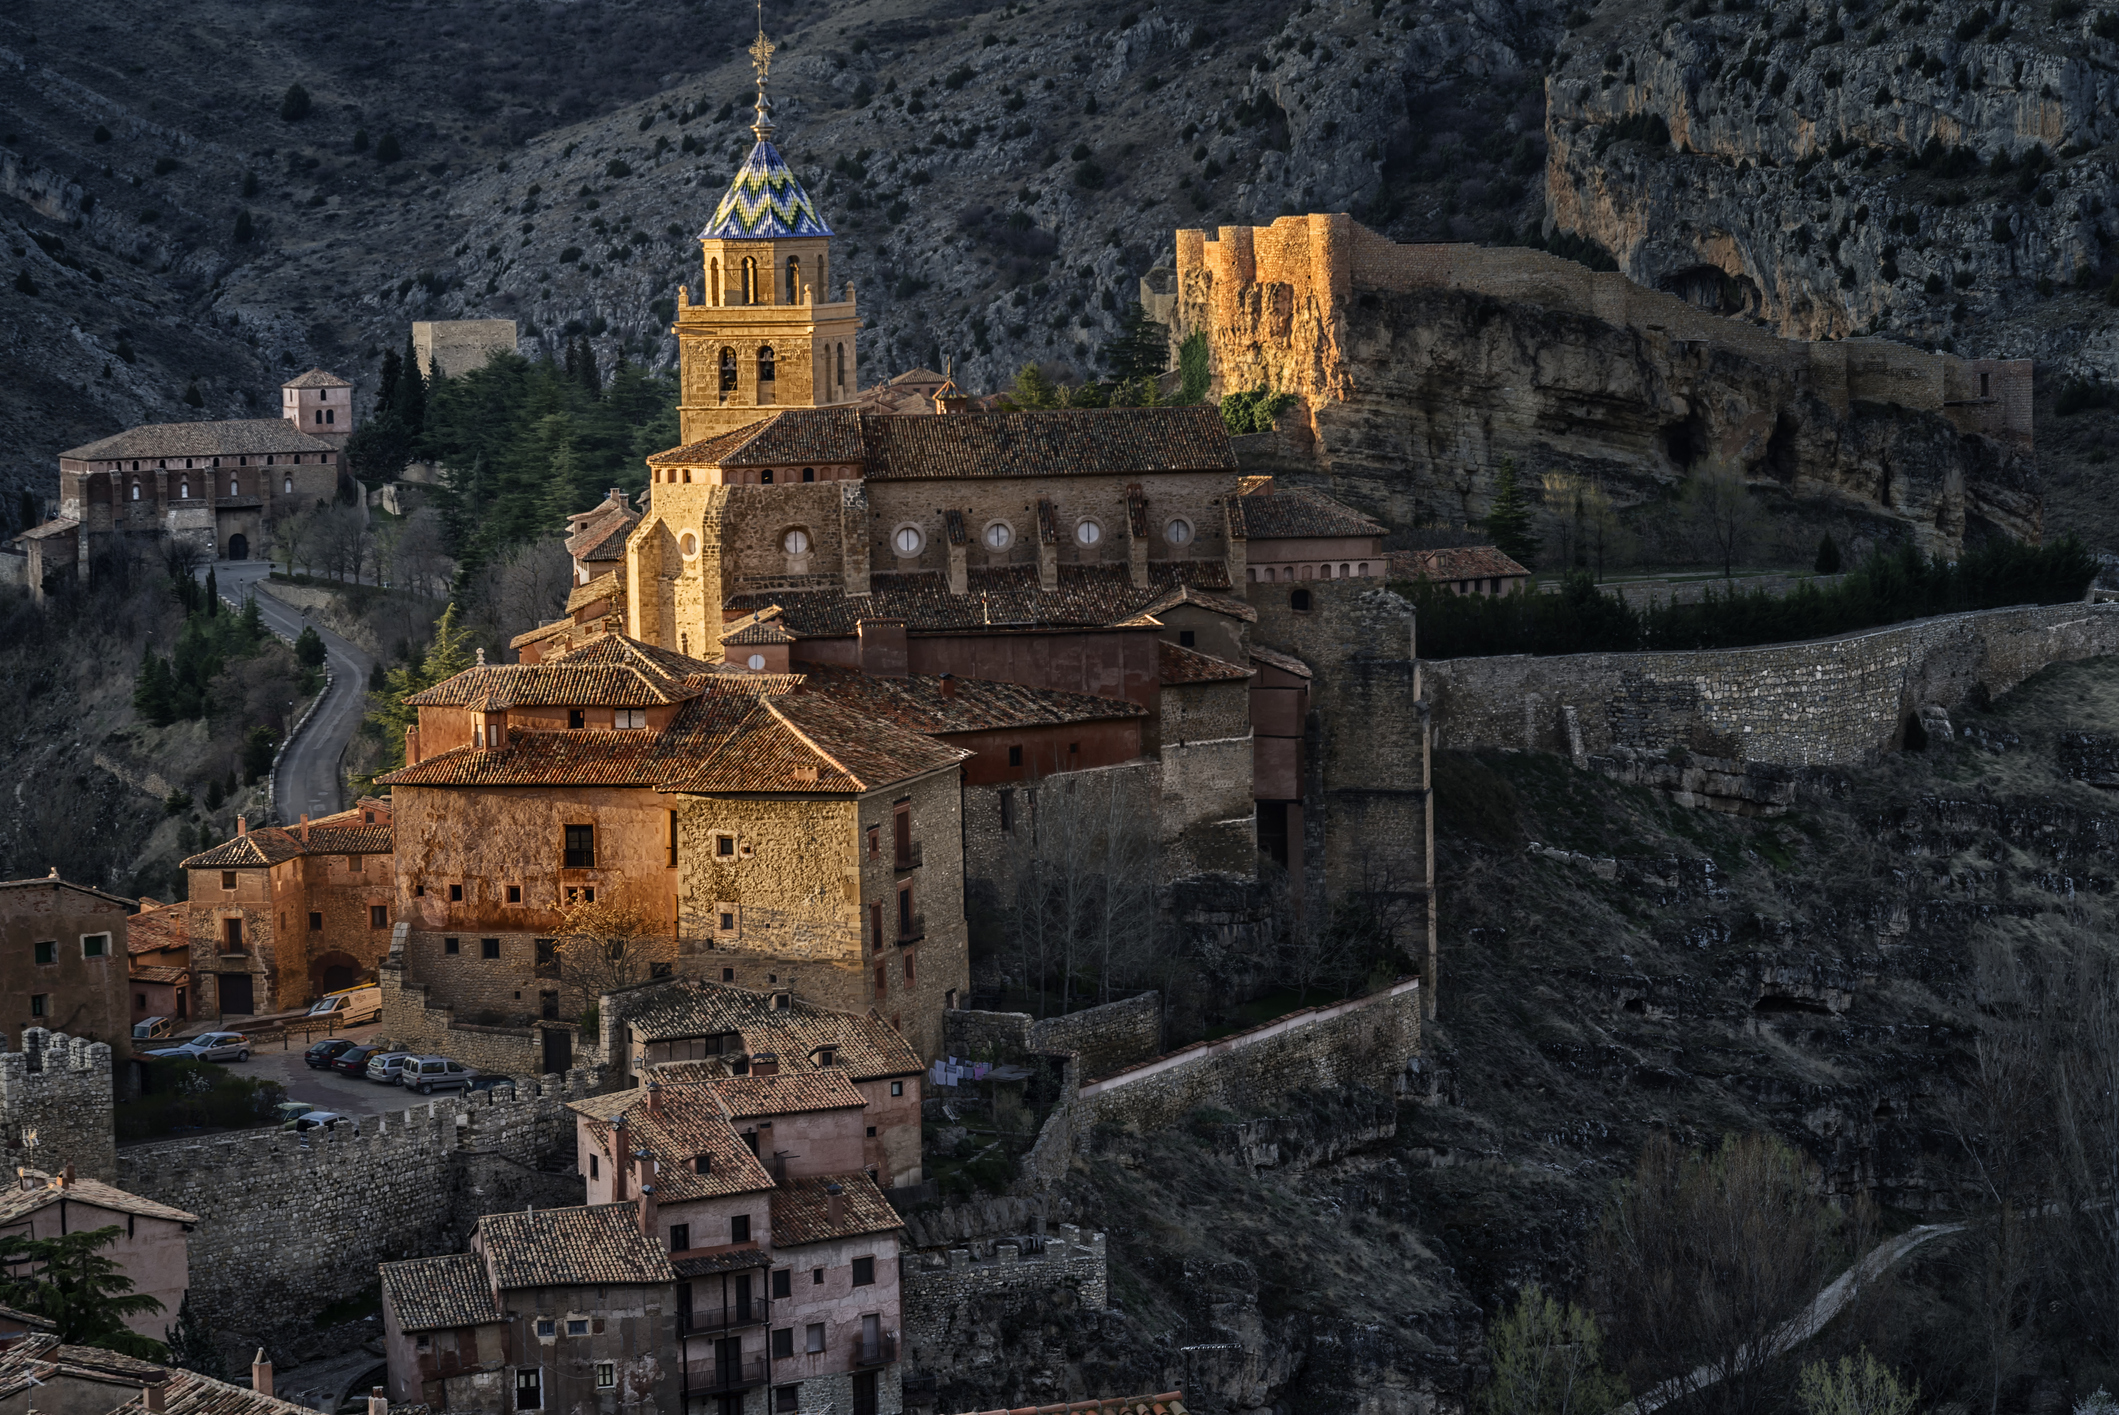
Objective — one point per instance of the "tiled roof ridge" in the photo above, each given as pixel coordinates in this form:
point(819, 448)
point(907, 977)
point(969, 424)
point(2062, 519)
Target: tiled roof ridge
point(317, 377)
point(266, 428)
point(809, 741)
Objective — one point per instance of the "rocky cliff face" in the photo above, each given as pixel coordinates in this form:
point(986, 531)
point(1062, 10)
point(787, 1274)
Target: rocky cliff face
point(1934, 172)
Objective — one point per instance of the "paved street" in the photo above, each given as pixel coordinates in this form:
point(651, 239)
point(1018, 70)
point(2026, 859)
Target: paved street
point(327, 1090)
point(309, 774)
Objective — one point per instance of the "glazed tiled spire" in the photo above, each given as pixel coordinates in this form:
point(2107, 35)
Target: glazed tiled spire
point(764, 201)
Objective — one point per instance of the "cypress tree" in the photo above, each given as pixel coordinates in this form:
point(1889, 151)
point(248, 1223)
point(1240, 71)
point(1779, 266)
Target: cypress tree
point(151, 695)
point(1828, 560)
point(191, 1343)
point(386, 384)
point(590, 378)
point(1509, 521)
point(295, 106)
point(253, 621)
point(213, 594)
point(410, 405)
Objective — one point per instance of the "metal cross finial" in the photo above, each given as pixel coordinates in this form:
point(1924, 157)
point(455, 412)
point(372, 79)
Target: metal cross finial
point(761, 49)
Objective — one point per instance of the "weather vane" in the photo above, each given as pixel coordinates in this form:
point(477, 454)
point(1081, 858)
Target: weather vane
point(761, 50)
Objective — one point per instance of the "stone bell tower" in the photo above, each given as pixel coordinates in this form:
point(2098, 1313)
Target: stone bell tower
point(768, 335)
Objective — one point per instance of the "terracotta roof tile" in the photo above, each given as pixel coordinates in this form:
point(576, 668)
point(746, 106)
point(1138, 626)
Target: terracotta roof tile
point(317, 378)
point(611, 671)
point(344, 839)
point(428, 1294)
point(1183, 665)
point(18, 1203)
point(606, 542)
point(572, 1247)
point(977, 705)
point(735, 1260)
point(1077, 442)
point(604, 586)
point(1462, 562)
point(1296, 513)
point(998, 596)
point(156, 973)
point(1205, 599)
point(1286, 663)
point(267, 845)
point(707, 452)
point(237, 437)
point(868, 1049)
point(802, 1210)
point(692, 1121)
point(151, 930)
point(759, 631)
point(789, 1092)
point(587, 758)
point(38, 1357)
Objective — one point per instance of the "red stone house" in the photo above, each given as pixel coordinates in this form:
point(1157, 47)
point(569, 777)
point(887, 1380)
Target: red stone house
point(1463, 569)
point(62, 960)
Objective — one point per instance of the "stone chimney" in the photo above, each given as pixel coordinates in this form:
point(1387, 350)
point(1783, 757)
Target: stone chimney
point(654, 1099)
point(412, 745)
point(154, 1398)
point(949, 685)
point(261, 1373)
point(649, 1214)
point(304, 831)
point(378, 1401)
point(619, 1160)
point(883, 650)
point(242, 827)
point(834, 1205)
point(66, 1177)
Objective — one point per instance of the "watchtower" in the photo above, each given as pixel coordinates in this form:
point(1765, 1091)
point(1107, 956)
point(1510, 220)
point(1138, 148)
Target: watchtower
point(768, 334)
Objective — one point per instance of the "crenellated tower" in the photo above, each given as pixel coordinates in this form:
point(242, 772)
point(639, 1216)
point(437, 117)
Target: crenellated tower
point(768, 334)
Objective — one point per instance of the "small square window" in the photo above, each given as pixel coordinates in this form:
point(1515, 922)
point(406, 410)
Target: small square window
point(784, 1283)
point(595, 1169)
point(702, 1164)
point(456, 894)
point(724, 845)
point(316, 922)
point(606, 1375)
point(897, 1088)
point(1015, 756)
point(576, 719)
point(680, 1237)
point(1186, 638)
point(48, 951)
point(40, 1004)
point(784, 1344)
point(739, 1229)
point(547, 1327)
point(95, 945)
point(871, 1132)
point(448, 945)
point(787, 1399)
point(816, 1277)
point(816, 1337)
point(728, 922)
point(515, 894)
point(728, 975)
point(378, 916)
point(419, 891)
point(864, 1272)
point(228, 879)
point(489, 948)
point(577, 1326)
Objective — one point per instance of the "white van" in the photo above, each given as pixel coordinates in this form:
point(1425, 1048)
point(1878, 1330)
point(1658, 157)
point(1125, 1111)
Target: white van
point(350, 1006)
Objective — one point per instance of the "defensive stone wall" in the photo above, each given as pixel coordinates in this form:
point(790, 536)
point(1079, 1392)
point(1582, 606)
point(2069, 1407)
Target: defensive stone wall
point(956, 1302)
point(55, 1104)
point(1101, 1039)
point(289, 1224)
point(1824, 702)
point(1361, 1041)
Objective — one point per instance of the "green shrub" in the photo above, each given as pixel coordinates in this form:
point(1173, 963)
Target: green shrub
point(1195, 377)
point(295, 105)
point(196, 1095)
point(1253, 410)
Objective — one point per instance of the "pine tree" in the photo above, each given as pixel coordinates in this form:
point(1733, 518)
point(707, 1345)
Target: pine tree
point(591, 379)
point(152, 695)
point(410, 405)
point(1142, 348)
point(386, 383)
point(191, 1344)
point(213, 594)
point(1509, 520)
point(86, 1294)
point(309, 648)
point(1828, 560)
point(23, 283)
point(295, 106)
point(253, 621)
point(193, 396)
point(1033, 389)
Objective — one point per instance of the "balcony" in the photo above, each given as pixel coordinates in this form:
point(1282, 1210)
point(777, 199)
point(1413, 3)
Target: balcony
point(880, 1352)
point(709, 1377)
point(908, 857)
point(713, 1319)
point(912, 929)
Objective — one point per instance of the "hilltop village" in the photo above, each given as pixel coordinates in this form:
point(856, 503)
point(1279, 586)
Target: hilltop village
point(677, 929)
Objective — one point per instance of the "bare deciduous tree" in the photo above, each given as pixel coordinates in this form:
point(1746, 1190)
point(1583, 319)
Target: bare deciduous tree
point(1083, 915)
point(524, 588)
point(1724, 516)
point(607, 945)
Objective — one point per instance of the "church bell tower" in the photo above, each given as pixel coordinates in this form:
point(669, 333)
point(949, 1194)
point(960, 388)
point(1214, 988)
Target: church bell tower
point(768, 335)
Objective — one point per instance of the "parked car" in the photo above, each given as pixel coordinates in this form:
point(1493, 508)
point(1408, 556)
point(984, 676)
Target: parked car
point(354, 1059)
point(153, 1028)
point(428, 1074)
point(315, 1120)
point(291, 1111)
point(210, 1046)
point(326, 1051)
point(484, 1082)
point(384, 1066)
point(350, 1006)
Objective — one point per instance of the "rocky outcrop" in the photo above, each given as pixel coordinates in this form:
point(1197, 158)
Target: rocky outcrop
point(1912, 172)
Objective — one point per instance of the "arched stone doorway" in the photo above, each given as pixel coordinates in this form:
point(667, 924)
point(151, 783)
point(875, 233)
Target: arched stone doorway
point(328, 972)
point(238, 546)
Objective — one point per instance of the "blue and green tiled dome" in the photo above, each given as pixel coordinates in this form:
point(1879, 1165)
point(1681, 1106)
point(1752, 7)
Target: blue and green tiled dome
point(764, 202)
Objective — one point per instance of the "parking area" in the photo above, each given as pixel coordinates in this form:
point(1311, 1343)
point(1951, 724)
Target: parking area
point(327, 1090)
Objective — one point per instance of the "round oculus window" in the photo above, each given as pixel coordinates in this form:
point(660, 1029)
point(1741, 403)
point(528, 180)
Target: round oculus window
point(907, 540)
point(1178, 532)
point(756, 661)
point(999, 536)
point(1088, 533)
point(689, 544)
point(796, 542)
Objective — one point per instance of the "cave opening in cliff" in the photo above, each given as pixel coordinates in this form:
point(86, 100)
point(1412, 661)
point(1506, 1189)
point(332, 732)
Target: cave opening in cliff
point(1780, 1003)
point(1782, 459)
point(1685, 443)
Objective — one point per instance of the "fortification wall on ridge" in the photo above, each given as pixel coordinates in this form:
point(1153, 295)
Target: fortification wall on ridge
point(1825, 702)
point(56, 1105)
point(1102, 1039)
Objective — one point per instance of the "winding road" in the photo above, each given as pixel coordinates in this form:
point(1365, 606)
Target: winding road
point(309, 781)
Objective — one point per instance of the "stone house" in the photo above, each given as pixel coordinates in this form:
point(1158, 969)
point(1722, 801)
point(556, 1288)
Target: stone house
point(280, 915)
point(568, 1309)
point(62, 959)
point(1299, 534)
point(785, 1251)
point(735, 1031)
point(158, 955)
point(737, 817)
point(1464, 569)
point(151, 1249)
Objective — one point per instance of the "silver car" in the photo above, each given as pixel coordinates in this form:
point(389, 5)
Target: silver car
point(209, 1046)
point(385, 1066)
point(428, 1074)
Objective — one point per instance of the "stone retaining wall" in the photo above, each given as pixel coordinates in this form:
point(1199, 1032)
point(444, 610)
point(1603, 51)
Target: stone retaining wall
point(1825, 702)
point(946, 1294)
point(290, 1224)
point(1102, 1039)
